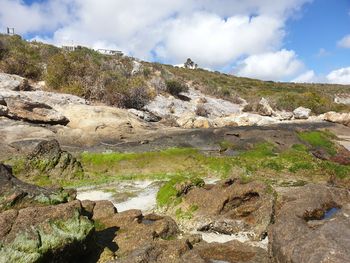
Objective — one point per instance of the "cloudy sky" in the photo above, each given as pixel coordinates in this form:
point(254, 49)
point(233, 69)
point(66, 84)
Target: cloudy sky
point(281, 40)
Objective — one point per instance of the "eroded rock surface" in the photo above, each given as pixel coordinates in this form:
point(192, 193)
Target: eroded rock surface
point(307, 230)
point(229, 207)
point(47, 159)
point(13, 82)
point(341, 118)
point(44, 234)
point(17, 194)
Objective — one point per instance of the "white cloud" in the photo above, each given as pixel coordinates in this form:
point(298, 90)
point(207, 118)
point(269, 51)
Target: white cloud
point(344, 42)
point(306, 77)
point(278, 65)
point(214, 33)
point(339, 76)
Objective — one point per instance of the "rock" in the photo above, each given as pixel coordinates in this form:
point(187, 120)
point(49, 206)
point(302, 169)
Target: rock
point(228, 207)
point(103, 210)
point(186, 120)
point(342, 99)
point(202, 123)
point(244, 119)
point(284, 115)
point(17, 194)
point(13, 82)
point(304, 229)
point(341, 118)
point(302, 113)
point(47, 157)
point(147, 116)
point(2, 101)
point(232, 251)
point(3, 110)
point(264, 108)
point(51, 233)
point(164, 106)
point(34, 112)
point(136, 68)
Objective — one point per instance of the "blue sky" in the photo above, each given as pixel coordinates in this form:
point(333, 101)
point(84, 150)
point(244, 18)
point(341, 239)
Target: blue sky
point(285, 40)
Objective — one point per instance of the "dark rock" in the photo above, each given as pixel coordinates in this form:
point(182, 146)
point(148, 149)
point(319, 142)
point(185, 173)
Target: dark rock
point(103, 210)
point(304, 231)
point(17, 194)
point(47, 158)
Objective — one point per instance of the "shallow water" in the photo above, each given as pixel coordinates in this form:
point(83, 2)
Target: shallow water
point(329, 213)
point(124, 195)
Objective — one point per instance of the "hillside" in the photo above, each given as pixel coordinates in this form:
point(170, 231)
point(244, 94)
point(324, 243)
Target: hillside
point(125, 82)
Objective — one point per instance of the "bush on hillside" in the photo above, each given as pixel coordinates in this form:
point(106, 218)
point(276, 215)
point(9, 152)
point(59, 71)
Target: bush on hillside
point(175, 87)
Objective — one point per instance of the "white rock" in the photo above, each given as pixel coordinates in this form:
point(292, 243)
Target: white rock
point(302, 113)
point(12, 82)
point(284, 115)
point(264, 108)
point(3, 110)
point(342, 118)
point(342, 99)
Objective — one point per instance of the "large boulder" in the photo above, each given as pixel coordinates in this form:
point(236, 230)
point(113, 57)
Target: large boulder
point(341, 118)
point(312, 224)
point(13, 82)
point(44, 234)
point(302, 113)
point(264, 108)
point(33, 111)
point(17, 194)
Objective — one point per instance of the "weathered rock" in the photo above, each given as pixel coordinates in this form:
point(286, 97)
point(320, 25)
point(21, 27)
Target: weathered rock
point(228, 207)
point(244, 119)
point(304, 229)
point(186, 120)
point(51, 233)
point(3, 110)
point(264, 108)
point(202, 123)
point(342, 99)
point(232, 251)
point(341, 118)
point(147, 116)
point(48, 158)
point(302, 113)
point(284, 115)
point(17, 194)
point(103, 210)
point(13, 82)
point(33, 112)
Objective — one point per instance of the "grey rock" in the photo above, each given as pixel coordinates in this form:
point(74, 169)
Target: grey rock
point(13, 82)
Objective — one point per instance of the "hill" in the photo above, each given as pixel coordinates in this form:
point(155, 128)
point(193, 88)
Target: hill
point(129, 83)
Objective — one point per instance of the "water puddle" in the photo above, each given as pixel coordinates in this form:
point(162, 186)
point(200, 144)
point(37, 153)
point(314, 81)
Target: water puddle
point(330, 212)
point(124, 195)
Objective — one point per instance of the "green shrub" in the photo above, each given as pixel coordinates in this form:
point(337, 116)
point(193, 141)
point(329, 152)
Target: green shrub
point(58, 71)
point(175, 87)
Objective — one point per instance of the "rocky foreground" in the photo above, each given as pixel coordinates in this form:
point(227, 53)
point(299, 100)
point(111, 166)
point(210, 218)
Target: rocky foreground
point(284, 197)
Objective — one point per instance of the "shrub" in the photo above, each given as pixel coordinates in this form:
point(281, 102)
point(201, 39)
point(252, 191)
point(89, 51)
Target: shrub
point(135, 98)
point(58, 71)
point(174, 87)
point(202, 111)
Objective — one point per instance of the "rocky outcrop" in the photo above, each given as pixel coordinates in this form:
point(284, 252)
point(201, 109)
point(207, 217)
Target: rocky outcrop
point(302, 113)
point(312, 224)
point(17, 194)
point(342, 99)
point(33, 112)
point(229, 207)
point(48, 159)
point(163, 106)
point(44, 234)
point(13, 82)
point(147, 116)
point(341, 118)
point(244, 119)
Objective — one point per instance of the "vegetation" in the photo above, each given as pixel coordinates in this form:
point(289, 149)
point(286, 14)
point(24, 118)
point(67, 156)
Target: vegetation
point(111, 79)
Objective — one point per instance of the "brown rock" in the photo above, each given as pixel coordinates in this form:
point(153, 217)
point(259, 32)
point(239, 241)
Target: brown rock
point(304, 229)
point(103, 210)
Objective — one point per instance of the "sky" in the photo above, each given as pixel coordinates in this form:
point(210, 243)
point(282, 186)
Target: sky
point(284, 40)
